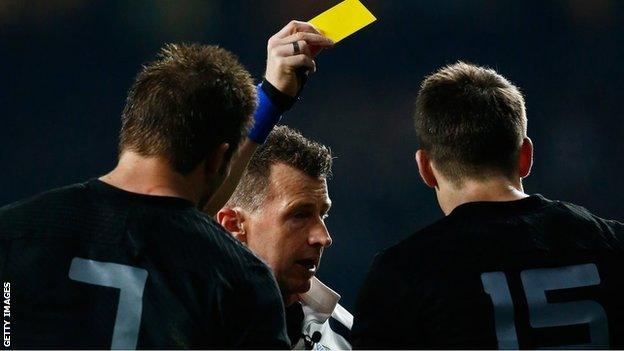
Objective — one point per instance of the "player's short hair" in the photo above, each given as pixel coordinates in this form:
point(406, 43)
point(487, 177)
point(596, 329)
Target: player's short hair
point(471, 121)
point(183, 105)
point(287, 146)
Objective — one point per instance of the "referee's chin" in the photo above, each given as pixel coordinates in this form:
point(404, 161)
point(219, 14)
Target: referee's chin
point(305, 287)
point(294, 288)
point(294, 295)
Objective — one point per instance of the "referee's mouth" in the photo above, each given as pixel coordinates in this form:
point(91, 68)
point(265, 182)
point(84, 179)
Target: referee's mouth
point(309, 264)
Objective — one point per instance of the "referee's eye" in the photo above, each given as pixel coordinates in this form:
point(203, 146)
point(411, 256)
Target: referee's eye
point(301, 215)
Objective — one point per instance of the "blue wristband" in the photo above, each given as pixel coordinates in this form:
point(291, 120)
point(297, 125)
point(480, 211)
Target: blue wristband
point(267, 115)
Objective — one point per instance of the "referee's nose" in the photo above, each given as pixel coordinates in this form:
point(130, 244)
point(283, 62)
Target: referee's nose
point(319, 235)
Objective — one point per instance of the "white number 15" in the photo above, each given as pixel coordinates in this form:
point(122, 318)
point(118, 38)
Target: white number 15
point(543, 314)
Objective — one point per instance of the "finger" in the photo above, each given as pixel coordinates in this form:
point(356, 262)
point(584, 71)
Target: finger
point(300, 60)
point(310, 38)
point(315, 50)
point(289, 49)
point(294, 27)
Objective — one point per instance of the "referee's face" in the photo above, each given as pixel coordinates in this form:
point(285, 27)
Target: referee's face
point(288, 230)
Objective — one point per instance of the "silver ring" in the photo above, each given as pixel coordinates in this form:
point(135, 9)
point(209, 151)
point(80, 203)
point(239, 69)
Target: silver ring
point(296, 49)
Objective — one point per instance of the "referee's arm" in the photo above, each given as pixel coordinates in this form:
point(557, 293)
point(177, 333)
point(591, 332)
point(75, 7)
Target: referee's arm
point(290, 52)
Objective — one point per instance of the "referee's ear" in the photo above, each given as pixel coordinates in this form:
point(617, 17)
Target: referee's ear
point(425, 170)
point(232, 220)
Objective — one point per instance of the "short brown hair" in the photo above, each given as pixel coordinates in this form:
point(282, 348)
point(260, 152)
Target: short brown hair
point(471, 121)
point(287, 146)
point(186, 103)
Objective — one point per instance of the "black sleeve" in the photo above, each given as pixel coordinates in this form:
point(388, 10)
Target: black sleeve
point(281, 100)
point(258, 317)
point(381, 321)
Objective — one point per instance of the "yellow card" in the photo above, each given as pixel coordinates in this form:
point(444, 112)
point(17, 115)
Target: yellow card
point(343, 20)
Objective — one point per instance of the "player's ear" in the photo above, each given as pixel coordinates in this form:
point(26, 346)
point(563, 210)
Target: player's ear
point(425, 170)
point(525, 158)
point(215, 159)
point(232, 219)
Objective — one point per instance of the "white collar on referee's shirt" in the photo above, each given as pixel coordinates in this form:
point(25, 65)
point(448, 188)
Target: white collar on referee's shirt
point(321, 302)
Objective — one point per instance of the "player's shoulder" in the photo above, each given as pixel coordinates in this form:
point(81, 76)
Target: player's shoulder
point(455, 234)
point(53, 195)
point(42, 203)
point(210, 232)
point(582, 218)
point(583, 213)
point(419, 243)
point(210, 243)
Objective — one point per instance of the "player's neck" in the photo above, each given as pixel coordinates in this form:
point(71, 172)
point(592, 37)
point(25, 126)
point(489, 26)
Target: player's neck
point(151, 176)
point(493, 189)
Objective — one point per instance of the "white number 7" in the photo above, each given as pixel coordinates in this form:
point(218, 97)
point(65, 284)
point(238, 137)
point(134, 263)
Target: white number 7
point(130, 281)
point(543, 314)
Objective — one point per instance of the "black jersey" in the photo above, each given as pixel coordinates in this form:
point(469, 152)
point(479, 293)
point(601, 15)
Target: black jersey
point(531, 273)
point(93, 266)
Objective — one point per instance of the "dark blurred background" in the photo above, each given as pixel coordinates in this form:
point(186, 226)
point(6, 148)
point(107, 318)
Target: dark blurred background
point(65, 67)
